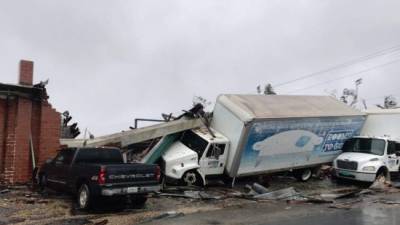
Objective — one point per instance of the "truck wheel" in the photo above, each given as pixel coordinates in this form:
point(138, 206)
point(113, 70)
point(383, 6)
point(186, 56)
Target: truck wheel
point(383, 175)
point(191, 178)
point(303, 175)
point(84, 198)
point(138, 201)
point(42, 182)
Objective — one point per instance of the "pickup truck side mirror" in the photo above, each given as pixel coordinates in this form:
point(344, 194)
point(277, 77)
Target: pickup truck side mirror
point(398, 153)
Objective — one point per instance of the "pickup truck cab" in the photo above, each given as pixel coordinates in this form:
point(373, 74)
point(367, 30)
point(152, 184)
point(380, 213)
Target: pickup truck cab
point(368, 158)
point(91, 173)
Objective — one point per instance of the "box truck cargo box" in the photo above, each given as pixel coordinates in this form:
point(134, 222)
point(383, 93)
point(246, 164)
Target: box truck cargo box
point(382, 122)
point(275, 132)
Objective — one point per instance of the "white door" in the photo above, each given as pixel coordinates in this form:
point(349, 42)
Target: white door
point(213, 160)
point(392, 158)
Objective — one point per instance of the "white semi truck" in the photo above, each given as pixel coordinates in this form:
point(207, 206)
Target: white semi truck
point(376, 153)
point(257, 134)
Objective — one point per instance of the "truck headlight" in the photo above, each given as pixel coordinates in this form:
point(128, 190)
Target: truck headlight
point(369, 168)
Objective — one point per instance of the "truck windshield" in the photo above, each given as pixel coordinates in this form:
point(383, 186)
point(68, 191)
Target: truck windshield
point(99, 156)
point(194, 142)
point(365, 145)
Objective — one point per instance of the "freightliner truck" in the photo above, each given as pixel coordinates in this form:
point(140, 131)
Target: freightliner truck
point(374, 154)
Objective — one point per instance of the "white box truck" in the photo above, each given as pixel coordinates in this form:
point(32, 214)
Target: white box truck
point(374, 154)
point(258, 134)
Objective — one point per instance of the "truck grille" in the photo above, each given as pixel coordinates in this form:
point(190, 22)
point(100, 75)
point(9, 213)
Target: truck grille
point(347, 165)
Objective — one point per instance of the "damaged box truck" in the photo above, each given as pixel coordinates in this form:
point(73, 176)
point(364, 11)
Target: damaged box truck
point(257, 134)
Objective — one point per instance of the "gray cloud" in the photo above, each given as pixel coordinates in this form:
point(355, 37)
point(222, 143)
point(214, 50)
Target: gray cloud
point(111, 61)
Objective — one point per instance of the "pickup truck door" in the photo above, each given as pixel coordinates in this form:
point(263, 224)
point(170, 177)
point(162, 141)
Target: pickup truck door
point(392, 158)
point(213, 160)
point(59, 172)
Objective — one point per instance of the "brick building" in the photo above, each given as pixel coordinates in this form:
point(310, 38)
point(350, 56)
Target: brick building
point(29, 127)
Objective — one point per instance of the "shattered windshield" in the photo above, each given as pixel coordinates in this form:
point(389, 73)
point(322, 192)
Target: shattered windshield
point(365, 145)
point(194, 142)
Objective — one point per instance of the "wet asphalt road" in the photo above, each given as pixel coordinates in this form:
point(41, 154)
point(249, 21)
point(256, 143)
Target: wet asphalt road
point(366, 213)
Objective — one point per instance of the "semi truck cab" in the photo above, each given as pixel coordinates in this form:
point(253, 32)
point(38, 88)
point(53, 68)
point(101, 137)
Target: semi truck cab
point(368, 158)
point(196, 154)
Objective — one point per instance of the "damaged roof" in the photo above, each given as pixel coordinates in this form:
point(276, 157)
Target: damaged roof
point(249, 107)
point(32, 92)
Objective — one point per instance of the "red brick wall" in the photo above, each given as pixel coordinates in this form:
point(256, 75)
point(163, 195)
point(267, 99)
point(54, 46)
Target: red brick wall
point(49, 133)
point(22, 137)
point(35, 127)
point(2, 132)
point(21, 119)
point(10, 142)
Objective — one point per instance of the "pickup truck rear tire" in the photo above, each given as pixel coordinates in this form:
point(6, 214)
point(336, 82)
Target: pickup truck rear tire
point(42, 182)
point(84, 197)
point(138, 201)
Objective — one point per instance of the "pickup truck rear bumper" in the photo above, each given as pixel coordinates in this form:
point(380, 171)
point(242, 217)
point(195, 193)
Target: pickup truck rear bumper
point(110, 191)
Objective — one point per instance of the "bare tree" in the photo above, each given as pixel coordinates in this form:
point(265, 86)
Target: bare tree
point(390, 102)
point(268, 90)
point(351, 93)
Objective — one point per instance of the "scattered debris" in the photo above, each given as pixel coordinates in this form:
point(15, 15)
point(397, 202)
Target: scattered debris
point(388, 202)
point(4, 191)
point(194, 195)
point(345, 205)
point(350, 194)
point(251, 191)
point(103, 222)
point(380, 184)
point(71, 221)
point(285, 193)
point(325, 171)
point(259, 188)
point(171, 214)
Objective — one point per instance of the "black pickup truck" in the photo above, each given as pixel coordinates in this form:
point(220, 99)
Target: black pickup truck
point(95, 173)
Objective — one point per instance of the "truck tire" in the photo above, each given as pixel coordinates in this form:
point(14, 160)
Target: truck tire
point(84, 197)
point(138, 201)
point(383, 174)
point(303, 175)
point(35, 177)
point(191, 178)
point(42, 182)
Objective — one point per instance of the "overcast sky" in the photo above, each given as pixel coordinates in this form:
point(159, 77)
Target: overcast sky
point(112, 61)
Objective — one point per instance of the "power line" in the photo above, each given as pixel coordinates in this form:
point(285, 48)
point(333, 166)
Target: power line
point(346, 64)
point(382, 96)
point(345, 76)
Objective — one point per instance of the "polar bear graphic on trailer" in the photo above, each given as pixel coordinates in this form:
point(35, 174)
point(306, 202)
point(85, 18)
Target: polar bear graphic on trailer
point(293, 141)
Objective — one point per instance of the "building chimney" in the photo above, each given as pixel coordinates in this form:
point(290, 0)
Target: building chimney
point(25, 72)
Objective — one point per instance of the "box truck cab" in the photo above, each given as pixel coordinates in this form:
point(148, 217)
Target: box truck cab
point(367, 158)
point(195, 155)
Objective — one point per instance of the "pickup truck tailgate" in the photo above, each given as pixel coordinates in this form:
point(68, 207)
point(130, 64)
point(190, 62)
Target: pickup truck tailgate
point(140, 174)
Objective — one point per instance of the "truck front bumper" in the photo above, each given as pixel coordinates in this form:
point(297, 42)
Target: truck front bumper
point(110, 191)
point(355, 175)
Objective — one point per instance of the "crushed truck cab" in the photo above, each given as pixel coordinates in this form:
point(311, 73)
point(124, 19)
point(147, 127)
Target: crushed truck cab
point(196, 154)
